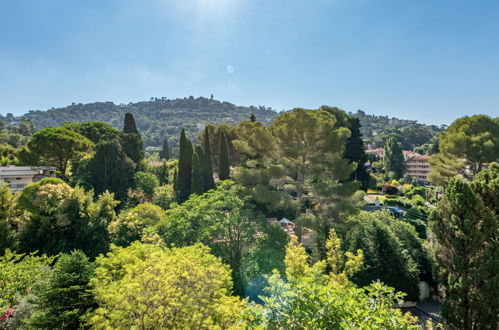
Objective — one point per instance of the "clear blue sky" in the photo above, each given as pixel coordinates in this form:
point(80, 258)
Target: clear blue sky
point(430, 60)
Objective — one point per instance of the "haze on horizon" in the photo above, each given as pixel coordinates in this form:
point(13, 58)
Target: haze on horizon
point(432, 61)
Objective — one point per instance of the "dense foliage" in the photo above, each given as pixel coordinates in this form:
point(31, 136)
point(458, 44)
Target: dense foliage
point(134, 238)
point(468, 250)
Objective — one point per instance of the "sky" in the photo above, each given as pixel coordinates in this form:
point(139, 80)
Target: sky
point(432, 61)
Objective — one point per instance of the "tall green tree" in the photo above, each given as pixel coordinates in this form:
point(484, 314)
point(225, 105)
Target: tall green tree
point(445, 166)
point(355, 152)
point(465, 224)
point(386, 257)
point(207, 163)
point(474, 139)
point(56, 147)
point(129, 126)
point(393, 162)
point(165, 151)
point(184, 168)
point(65, 296)
point(224, 163)
point(109, 169)
point(197, 175)
point(132, 140)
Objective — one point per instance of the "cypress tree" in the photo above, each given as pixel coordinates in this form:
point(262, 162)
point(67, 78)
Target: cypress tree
point(197, 178)
point(207, 163)
point(394, 163)
point(175, 181)
point(132, 141)
point(224, 165)
point(354, 152)
point(165, 152)
point(129, 127)
point(184, 168)
point(110, 169)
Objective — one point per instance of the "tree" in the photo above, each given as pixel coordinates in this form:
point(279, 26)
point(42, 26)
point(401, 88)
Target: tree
point(393, 162)
point(64, 297)
point(445, 166)
point(109, 169)
point(131, 224)
point(252, 118)
point(145, 182)
point(165, 151)
point(197, 175)
point(221, 218)
point(355, 152)
point(129, 126)
point(147, 286)
point(385, 254)
point(184, 168)
point(465, 224)
point(474, 139)
point(224, 163)
point(95, 131)
point(310, 299)
point(132, 141)
point(207, 163)
point(61, 218)
point(56, 147)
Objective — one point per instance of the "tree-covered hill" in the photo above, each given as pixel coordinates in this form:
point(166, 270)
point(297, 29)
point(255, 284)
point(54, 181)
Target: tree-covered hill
point(156, 119)
point(377, 129)
point(161, 118)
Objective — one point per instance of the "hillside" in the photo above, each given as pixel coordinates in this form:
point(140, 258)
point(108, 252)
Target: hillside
point(157, 118)
point(410, 133)
point(162, 117)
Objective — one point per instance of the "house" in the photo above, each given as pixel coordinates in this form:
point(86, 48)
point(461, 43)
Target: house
point(19, 176)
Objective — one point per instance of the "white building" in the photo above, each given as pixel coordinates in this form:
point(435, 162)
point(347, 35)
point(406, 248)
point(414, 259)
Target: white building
point(19, 176)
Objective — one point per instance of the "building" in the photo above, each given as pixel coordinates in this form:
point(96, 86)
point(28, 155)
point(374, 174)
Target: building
point(418, 167)
point(19, 176)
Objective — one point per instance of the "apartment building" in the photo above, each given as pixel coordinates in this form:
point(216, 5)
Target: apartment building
point(417, 165)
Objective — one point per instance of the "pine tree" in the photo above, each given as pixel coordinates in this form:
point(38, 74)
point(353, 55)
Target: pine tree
point(354, 151)
point(224, 165)
point(253, 118)
point(465, 225)
point(196, 177)
point(129, 127)
point(165, 152)
point(393, 162)
point(207, 163)
point(65, 296)
point(184, 168)
point(132, 141)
